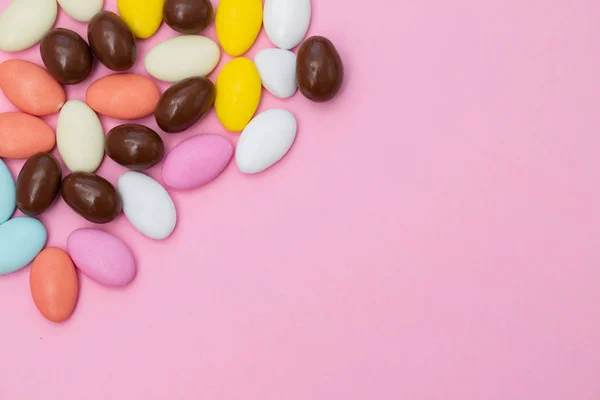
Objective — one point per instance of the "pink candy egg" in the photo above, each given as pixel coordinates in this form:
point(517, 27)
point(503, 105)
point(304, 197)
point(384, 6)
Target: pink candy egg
point(123, 96)
point(23, 135)
point(31, 88)
point(196, 161)
point(102, 256)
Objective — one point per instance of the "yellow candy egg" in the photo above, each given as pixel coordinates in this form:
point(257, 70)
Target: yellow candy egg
point(238, 94)
point(238, 23)
point(143, 17)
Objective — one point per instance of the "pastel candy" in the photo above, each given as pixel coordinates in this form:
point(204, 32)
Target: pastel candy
point(238, 93)
point(147, 205)
point(80, 137)
point(25, 22)
point(238, 23)
point(196, 161)
point(23, 135)
point(143, 17)
point(31, 88)
point(7, 193)
point(21, 239)
point(286, 21)
point(81, 10)
point(123, 96)
point(102, 257)
point(54, 284)
point(266, 139)
point(182, 57)
point(277, 70)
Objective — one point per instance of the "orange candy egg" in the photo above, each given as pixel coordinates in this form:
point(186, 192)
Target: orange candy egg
point(23, 135)
point(54, 285)
point(123, 96)
point(31, 88)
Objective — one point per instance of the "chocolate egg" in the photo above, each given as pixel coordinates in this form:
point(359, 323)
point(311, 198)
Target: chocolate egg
point(134, 146)
point(184, 103)
point(91, 196)
point(188, 16)
point(319, 69)
point(111, 41)
point(66, 56)
point(38, 184)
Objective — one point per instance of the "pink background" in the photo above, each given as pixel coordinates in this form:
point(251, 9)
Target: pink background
point(433, 234)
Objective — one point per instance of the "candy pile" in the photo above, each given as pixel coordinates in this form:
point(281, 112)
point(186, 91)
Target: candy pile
point(185, 61)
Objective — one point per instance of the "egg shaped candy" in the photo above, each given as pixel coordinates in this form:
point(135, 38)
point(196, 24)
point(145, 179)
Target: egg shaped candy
point(7, 193)
point(277, 70)
point(147, 205)
point(81, 10)
point(238, 23)
point(188, 16)
point(143, 17)
point(286, 21)
point(111, 41)
point(25, 22)
point(134, 146)
point(23, 135)
point(319, 69)
point(91, 196)
point(67, 56)
point(238, 93)
point(38, 184)
point(54, 284)
point(21, 240)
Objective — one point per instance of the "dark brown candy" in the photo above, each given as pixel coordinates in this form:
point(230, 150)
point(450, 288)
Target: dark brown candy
point(111, 41)
point(134, 146)
point(319, 69)
point(38, 184)
point(184, 103)
point(66, 56)
point(188, 16)
point(91, 196)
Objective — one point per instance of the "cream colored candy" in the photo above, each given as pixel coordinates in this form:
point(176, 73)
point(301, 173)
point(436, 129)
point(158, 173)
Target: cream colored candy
point(25, 22)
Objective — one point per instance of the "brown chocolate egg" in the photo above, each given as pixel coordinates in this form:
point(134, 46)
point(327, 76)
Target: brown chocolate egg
point(111, 41)
point(134, 146)
point(91, 196)
point(184, 103)
point(188, 16)
point(66, 56)
point(38, 184)
point(319, 69)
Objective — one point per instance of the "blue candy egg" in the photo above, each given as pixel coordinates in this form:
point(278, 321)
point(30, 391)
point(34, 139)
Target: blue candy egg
point(7, 193)
point(21, 240)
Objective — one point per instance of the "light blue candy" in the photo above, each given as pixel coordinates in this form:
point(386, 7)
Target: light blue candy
point(21, 240)
point(7, 193)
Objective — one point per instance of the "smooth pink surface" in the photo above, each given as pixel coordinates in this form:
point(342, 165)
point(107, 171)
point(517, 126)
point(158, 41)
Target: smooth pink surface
point(196, 161)
point(434, 233)
point(101, 256)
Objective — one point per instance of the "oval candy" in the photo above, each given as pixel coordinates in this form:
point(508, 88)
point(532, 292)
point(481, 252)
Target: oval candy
point(31, 88)
point(182, 57)
point(238, 23)
point(23, 135)
point(7, 193)
point(102, 257)
point(134, 146)
point(184, 104)
point(111, 41)
point(80, 137)
point(143, 17)
point(277, 70)
point(238, 94)
point(319, 69)
point(123, 96)
point(25, 22)
point(147, 205)
point(196, 161)
point(67, 56)
point(21, 240)
point(54, 284)
point(286, 22)
point(81, 10)
point(266, 139)
point(188, 16)
point(91, 196)
point(38, 184)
